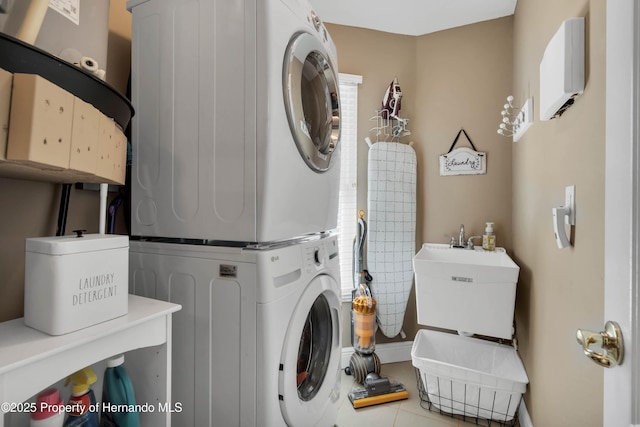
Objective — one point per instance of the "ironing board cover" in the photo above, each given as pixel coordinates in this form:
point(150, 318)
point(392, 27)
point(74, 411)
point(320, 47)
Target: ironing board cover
point(392, 230)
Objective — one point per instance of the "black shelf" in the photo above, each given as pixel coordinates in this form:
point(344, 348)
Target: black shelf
point(19, 57)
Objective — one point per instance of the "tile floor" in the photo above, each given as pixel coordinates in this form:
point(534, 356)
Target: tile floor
point(404, 413)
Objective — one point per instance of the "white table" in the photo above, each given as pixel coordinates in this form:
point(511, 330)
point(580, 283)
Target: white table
point(31, 361)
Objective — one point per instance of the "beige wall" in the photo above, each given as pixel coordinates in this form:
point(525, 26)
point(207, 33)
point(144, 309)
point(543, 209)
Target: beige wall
point(461, 77)
point(378, 57)
point(119, 50)
point(30, 209)
point(559, 290)
point(450, 79)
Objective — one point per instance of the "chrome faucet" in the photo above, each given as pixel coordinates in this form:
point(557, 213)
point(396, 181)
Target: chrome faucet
point(461, 243)
point(470, 244)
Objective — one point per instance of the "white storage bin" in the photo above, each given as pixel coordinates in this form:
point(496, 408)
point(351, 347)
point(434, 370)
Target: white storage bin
point(74, 282)
point(468, 376)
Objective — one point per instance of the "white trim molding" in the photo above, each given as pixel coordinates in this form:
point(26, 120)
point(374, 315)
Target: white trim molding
point(388, 353)
point(350, 79)
point(621, 405)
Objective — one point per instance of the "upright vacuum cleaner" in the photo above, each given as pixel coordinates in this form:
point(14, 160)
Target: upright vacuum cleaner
point(364, 364)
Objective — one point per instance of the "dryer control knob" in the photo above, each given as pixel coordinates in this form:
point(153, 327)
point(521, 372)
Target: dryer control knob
point(317, 256)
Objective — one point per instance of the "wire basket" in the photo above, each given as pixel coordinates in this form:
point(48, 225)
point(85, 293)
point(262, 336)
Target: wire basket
point(467, 402)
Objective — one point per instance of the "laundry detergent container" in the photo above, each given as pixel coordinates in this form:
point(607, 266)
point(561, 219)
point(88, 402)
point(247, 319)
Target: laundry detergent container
point(472, 292)
point(73, 282)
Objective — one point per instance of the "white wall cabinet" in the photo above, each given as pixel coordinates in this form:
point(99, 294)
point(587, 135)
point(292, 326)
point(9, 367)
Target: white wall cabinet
point(31, 361)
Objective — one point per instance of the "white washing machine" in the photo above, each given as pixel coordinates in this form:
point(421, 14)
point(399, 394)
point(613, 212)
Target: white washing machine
point(257, 342)
point(237, 123)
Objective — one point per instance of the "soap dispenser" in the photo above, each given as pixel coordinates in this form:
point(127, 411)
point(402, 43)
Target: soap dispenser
point(489, 239)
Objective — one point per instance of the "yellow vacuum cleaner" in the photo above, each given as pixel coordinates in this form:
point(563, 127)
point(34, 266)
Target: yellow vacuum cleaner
point(377, 390)
point(364, 364)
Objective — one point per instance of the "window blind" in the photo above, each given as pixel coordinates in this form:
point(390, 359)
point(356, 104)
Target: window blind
point(347, 207)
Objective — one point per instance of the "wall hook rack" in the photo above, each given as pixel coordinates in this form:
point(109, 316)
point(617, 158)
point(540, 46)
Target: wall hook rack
point(516, 120)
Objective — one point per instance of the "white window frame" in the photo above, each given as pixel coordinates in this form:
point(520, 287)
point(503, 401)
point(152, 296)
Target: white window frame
point(348, 210)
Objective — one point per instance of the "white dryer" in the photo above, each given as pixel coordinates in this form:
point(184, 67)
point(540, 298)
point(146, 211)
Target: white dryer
point(237, 126)
point(257, 342)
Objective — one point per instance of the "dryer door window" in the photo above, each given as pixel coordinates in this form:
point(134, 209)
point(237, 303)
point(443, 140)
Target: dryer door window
point(309, 378)
point(311, 97)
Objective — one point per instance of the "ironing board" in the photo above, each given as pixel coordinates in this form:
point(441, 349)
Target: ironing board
point(392, 230)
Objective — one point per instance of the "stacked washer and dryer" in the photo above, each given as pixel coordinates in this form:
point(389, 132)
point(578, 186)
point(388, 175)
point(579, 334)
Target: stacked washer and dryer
point(234, 198)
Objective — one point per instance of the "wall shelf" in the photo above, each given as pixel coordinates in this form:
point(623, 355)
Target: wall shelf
point(20, 57)
point(31, 361)
point(12, 170)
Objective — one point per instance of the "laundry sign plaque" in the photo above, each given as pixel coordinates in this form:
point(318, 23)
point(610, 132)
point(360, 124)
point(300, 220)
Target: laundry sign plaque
point(463, 160)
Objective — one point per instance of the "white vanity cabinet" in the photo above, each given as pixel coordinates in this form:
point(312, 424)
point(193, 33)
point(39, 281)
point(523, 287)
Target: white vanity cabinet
point(31, 361)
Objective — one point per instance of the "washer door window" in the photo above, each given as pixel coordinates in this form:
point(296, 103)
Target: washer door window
point(311, 100)
point(314, 350)
point(310, 371)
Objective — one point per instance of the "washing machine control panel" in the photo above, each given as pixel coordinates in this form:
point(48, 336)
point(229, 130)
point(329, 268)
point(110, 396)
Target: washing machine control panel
point(314, 257)
point(320, 255)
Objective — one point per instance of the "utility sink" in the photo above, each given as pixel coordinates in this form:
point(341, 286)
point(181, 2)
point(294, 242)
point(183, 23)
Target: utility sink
point(473, 265)
point(471, 291)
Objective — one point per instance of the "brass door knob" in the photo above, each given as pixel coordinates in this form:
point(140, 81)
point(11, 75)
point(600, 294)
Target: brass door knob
point(610, 340)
